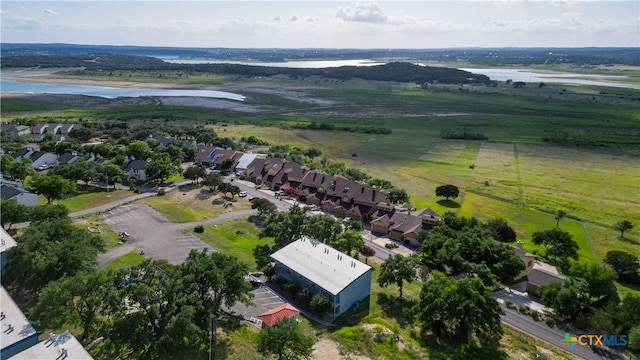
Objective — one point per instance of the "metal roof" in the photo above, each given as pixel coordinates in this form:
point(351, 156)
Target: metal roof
point(326, 267)
point(55, 347)
point(15, 325)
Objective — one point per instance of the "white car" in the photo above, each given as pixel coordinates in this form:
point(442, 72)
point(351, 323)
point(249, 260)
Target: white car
point(242, 194)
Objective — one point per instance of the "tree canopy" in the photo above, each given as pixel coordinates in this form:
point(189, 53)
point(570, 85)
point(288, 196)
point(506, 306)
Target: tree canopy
point(447, 191)
point(396, 270)
point(52, 187)
point(558, 244)
point(398, 196)
point(286, 340)
point(626, 265)
point(623, 226)
point(458, 310)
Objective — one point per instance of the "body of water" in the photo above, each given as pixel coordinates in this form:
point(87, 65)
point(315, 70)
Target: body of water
point(108, 92)
point(529, 76)
point(310, 64)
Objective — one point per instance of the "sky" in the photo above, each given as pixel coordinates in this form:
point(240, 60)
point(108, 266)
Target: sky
point(325, 24)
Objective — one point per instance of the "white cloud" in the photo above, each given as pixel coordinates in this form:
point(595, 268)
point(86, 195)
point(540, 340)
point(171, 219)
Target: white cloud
point(49, 11)
point(276, 18)
point(367, 13)
point(293, 18)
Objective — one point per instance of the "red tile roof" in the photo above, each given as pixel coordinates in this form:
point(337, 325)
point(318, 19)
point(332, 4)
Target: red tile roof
point(272, 316)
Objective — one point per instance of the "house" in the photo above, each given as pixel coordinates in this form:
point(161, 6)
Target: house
point(15, 190)
point(21, 154)
point(136, 169)
point(162, 140)
point(42, 159)
point(276, 314)
point(398, 225)
point(205, 156)
point(68, 158)
point(539, 276)
point(324, 270)
point(254, 170)
point(17, 332)
point(57, 346)
point(221, 155)
point(245, 160)
point(14, 129)
point(527, 258)
point(40, 129)
point(6, 243)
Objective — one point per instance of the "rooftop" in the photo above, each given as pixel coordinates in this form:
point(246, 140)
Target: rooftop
point(272, 316)
point(6, 241)
point(60, 346)
point(15, 325)
point(326, 267)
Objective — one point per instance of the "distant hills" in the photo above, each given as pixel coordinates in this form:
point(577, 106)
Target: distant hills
point(479, 56)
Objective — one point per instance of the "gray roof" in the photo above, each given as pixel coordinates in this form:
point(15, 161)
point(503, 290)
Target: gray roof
point(22, 328)
point(54, 348)
point(7, 240)
point(7, 191)
point(541, 277)
point(135, 165)
point(324, 266)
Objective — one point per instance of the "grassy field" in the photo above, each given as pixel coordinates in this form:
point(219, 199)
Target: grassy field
point(192, 203)
point(109, 236)
point(126, 261)
point(237, 238)
point(89, 197)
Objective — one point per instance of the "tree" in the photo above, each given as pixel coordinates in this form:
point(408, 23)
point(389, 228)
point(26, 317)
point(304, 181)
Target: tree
point(623, 226)
point(367, 252)
point(447, 191)
point(560, 214)
point(564, 298)
point(624, 264)
point(113, 174)
point(634, 338)
point(397, 196)
point(194, 173)
point(11, 212)
point(599, 278)
point(80, 300)
point(52, 187)
point(500, 230)
point(558, 243)
point(396, 270)
point(284, 227)
point(74, 171)
point(349, 240)
point(17, 170)
point(50, 250)
point(161, 167)
point(262, 255)
point(355, 225)
point(320, 303)
point(139, 150)
point(216, 279)
point(227, 164)
point(212, 180)
point(323, 227)
point(459, 309)
point(263, 206)
point(41, 213)
point(286, 340)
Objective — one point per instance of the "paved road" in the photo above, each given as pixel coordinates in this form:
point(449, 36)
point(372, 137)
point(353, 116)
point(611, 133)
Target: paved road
point(555, 336)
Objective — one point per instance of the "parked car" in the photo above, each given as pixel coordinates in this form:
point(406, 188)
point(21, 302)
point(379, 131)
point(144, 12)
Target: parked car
point(242, 194)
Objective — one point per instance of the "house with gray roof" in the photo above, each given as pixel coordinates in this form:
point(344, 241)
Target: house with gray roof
point(324, 270)
point(136, 169)
point(19, 193)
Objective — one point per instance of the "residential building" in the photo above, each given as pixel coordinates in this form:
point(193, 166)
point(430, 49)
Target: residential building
point(286, 310)
point(540, 275)
point(42, 159)
point(136, 169)
point(324, 270)
point(68, 158)
point(14, 129)
point(205, 156)
point(6, 243)
point(245, 160)
point(15, 190)
point(17, 332)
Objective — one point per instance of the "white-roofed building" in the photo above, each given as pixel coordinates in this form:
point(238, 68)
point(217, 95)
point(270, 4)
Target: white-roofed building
point(324, 270)
point(60, 346)
point(17, 332)
point(6, 243)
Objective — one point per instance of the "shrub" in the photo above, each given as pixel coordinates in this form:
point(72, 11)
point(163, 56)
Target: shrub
point(199, 229)
point(320, 303)
point(161, 192)
point(534, 315)
point(549, 321)
point(305, 296)
point(509, 304)
point(523, 309)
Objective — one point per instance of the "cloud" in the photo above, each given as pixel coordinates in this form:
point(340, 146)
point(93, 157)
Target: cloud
point(49, 11)
point(276, 18)
point(367, 13)
point(293, 18)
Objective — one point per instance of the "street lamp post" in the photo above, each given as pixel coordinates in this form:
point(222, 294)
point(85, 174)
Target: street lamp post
point(107, 176)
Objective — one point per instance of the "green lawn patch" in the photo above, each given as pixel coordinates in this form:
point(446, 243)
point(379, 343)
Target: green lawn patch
point(237, 237)
point(90, 197)
point(96, 222)
point(125, 261)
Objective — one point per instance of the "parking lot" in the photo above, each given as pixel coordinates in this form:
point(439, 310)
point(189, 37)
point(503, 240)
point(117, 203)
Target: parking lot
point(264, 299)
point(150, 232)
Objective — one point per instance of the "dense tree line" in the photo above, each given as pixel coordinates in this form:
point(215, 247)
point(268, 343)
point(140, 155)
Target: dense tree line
point(104, 64)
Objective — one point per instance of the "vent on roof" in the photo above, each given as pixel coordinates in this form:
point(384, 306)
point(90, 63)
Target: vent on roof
point(345, 190)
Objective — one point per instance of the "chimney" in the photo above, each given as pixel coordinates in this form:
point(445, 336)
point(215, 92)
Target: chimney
point(519, 244)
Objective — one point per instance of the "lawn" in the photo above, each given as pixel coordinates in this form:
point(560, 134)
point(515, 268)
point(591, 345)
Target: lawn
point(89, 197)
point(125, 261)
point(191, 203)
point(237, 237)
point(109, 236)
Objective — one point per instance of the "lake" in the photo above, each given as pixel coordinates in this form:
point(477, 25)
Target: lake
point(529, 76)
point(8, 86)
point(308, 64)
